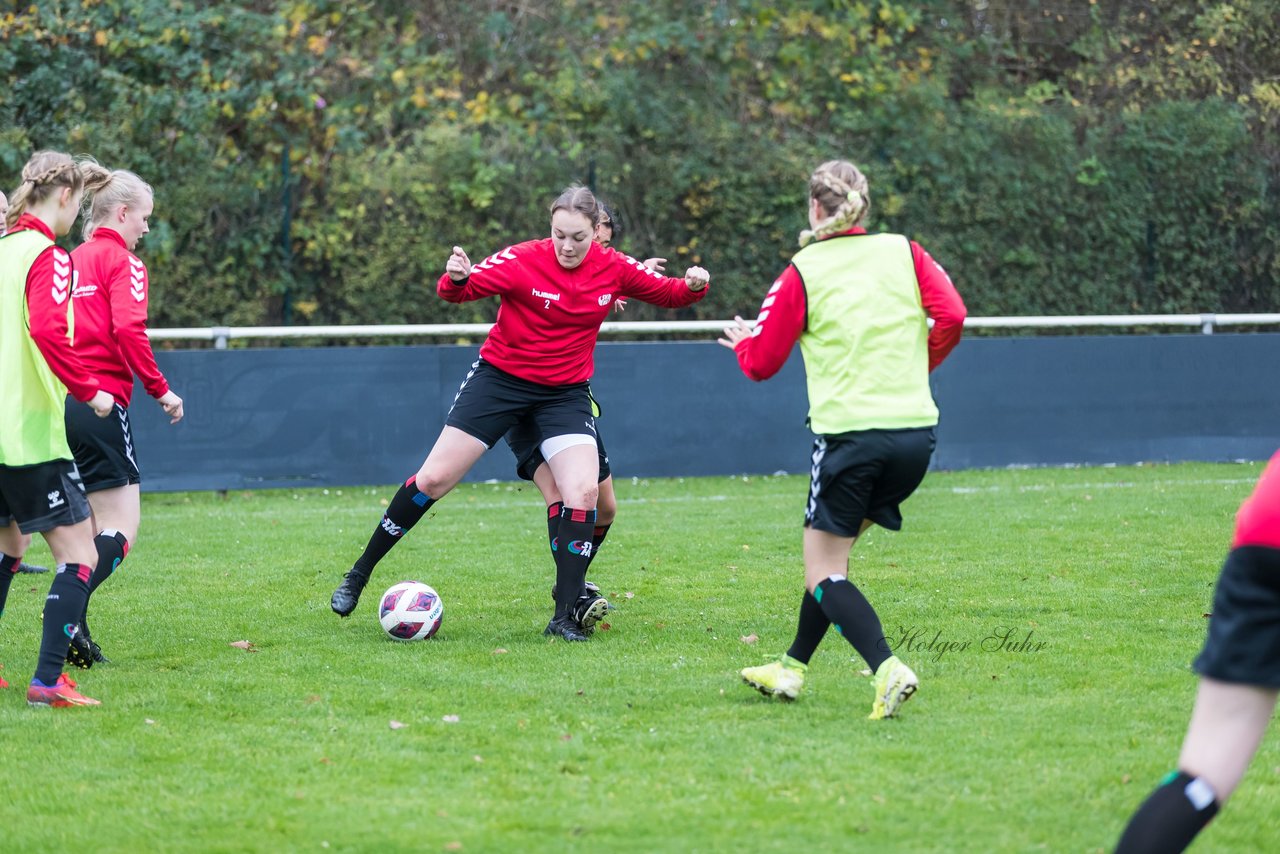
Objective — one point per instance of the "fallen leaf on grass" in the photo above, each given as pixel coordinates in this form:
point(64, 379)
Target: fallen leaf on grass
point(478, 758)
point(313, 698)
point(397, 725)
point(568, 736)
point(499, 651)
point(604, 627)
point(453, 846)
point(450, 719)
point(245, 645)
point(148, 721)
point(751, 638)
point(629, 595)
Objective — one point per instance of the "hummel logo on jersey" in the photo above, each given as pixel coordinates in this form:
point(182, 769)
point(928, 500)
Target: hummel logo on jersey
point(546, 295)
point(391, 527)
point(606, 299)
point(137, 279)
point(495, 259)
point(56, 499)
point(61, 277)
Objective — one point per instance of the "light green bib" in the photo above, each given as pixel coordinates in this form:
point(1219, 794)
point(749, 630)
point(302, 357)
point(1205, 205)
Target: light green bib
point(32, 398)
point(865, 344)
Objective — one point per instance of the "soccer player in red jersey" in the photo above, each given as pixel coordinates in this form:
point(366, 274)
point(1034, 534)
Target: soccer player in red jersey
point(37, 368)
point(1239, 671)
point(524, 441)
point(110, 302)
point(858, 304)
point(535, 362)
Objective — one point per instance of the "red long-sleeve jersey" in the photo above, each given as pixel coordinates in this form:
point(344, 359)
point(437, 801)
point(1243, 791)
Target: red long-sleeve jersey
point(1258, 522)
point(111, 316)
point(550, 317)
point(48, 290)
point(784, 316)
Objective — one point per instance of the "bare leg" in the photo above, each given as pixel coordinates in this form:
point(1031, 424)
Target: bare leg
point(1227, 726)
point(119, 509)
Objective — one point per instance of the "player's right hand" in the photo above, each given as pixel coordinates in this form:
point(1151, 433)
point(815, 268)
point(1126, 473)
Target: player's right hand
point(103, 404)
point(459, 265)
point(172, 406)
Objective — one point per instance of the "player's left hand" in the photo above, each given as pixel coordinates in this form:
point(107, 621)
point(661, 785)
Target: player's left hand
point(697, 279)
point(172, 406)
point(736, 334)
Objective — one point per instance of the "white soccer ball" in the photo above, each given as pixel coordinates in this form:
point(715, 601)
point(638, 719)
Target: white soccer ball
point(410, 611)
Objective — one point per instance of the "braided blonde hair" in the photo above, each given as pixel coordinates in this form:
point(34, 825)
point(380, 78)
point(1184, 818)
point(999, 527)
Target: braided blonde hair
point(842, 191)
point(121, 187)
point(48, 172)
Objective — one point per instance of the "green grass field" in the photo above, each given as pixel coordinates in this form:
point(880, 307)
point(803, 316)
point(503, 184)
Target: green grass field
point(643, 739)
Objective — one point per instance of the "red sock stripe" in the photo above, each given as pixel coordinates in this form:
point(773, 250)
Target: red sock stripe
point(578, 515)
point(124, 549)
point(83, 571)
point(411, 479)
point(553, 510)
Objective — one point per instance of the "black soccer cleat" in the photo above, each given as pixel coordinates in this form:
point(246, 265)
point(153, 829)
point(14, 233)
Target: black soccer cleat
point(348, 593)
point(589, 610)
point(565, 627)
point(592, 590)
point(31, 568)
point(84, 653)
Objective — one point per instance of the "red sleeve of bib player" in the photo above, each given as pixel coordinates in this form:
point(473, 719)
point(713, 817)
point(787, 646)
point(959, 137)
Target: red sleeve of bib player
point(48, 294)
point(941, 302)
point(778, 327)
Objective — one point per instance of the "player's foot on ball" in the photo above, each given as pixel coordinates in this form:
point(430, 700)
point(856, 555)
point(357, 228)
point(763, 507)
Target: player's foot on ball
point(59, 695)
point(566, 628)
point(31, 568)
point(590, 610)
point(348, 593)
point(782, 678)
point(895, 683)
point(591, 589)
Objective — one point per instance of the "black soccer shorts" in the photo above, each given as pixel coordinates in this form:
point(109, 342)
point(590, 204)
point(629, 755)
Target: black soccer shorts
point(1243, 644)
point(492, 401)
point(526, 445)
point(41, 497)
point(103, 447)
point(865, 474)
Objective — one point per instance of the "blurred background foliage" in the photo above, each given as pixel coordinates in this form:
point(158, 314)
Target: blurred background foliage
point(315, 160)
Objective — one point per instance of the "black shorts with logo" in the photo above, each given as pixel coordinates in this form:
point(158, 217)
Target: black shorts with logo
point(492, 401)
point(1243, 644)
point(865, 474)
point(526, 445)
point(103, 447)
point(41, 497)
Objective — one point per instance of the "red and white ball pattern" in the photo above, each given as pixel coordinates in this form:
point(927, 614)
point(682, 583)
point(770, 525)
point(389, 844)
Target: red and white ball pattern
point(410, 611)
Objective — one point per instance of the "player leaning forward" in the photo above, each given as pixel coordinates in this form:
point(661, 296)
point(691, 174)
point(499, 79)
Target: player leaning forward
point(535, 364)
point(857, 303)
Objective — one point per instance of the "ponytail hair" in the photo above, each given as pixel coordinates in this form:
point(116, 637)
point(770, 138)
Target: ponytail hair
point(578, 199)
point(117, 187)
point(49, 172)
point(842, 191)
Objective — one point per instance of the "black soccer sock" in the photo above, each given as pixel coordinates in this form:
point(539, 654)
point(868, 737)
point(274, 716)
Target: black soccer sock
point(573, 550)
point(853, 617)
point(1170, 817)
point(810, 631)
point(553, 524)
point(8, 569)
point(601, 531)
point(112, 550)
point(407, 506)
point(62, 608)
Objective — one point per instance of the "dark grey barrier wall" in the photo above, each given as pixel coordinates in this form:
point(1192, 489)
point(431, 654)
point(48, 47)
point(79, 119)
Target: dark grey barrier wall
point(345, 416)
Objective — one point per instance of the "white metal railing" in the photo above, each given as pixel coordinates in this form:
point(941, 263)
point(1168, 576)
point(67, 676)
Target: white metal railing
point(220, 335)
